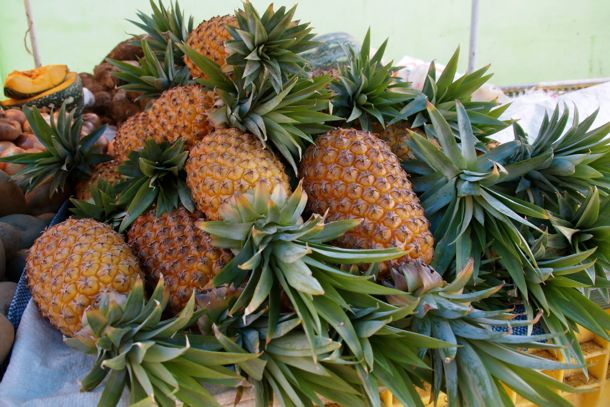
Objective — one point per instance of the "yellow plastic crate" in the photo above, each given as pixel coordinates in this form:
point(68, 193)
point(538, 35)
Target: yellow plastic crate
point(595, 391)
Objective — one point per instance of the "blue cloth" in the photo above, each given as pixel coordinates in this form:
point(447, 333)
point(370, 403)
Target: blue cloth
point(22, 294)
point(519, 311)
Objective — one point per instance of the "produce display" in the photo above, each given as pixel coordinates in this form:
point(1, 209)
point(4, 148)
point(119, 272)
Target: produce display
point(279, 213)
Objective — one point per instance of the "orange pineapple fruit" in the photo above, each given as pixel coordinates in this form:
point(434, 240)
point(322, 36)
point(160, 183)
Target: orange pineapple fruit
point(131, 136)
point(229, 162)
point(170, 245)
point(354, 175)
point(181, 112)
point(71, 264)
point(107, 171)
point(209, 40)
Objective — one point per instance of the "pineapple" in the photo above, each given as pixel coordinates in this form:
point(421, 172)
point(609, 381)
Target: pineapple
point(154, 175)
point(209, 39)
point(482, 361)
point(369, 96)
point(287, 120)
point(354, 175)
point(161, 66)
point(366, 91)
point(71, 264)
point(150, 77)
point(170, 245)
point(257, 47)
point(443, 92)
point(228, 162)
point(131, 136)
point(127, 334)
point(107, 171)
point(181, 113)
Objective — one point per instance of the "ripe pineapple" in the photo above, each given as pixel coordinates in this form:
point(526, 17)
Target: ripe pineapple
point(353, 174)
point(107, 171)
point(209, 39)
point(181, 113)
point(170, 245)
point(226, 163)
point(131, 136)
point(396, 135)
point(71, 264)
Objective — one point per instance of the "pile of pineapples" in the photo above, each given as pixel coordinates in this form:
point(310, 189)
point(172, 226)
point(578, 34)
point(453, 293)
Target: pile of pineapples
point(317, 233)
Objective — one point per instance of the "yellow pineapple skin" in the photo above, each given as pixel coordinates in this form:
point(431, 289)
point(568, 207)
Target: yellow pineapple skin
point(181, 112)
point(107, 171)
point(208, 39)
point(131, 136)
point(71, 264)
point(229, 162)
point(352, 174)
point(395, 135)
point(171, 245)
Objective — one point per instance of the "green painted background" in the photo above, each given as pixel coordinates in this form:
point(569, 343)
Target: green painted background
point(524, 40)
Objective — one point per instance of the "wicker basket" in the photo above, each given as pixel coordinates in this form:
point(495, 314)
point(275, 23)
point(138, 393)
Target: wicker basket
point(555, 88)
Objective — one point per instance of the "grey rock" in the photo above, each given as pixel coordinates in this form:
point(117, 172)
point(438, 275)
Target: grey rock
point(13, 200)
point(2, 262)
point(15, 266)
point(11, 239)
point(29, 226)
point(7, 337)
point(7, 292)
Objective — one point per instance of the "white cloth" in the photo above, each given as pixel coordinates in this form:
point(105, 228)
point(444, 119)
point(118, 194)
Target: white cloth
point(529, 108)
point(43, 371)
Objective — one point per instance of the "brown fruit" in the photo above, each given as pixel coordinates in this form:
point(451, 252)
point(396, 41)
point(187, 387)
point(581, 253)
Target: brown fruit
point(28, 141)
point(16, 115)
point(11, 168)
point(13, 200)
point(9, 129)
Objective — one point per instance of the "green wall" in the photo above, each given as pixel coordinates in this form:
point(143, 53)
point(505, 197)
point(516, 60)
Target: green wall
point(524, 40)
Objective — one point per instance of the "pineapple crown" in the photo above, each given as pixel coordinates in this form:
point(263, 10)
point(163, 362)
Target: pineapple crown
point(566, 270)
point(287, 119)
point(366, 89)
point(151, 77)
point(153, 357)
point(268, 47)
point(165, 28)
point(103, 205)
point(584, 227)
point(480, 358)
point(390, 358)
point(68, 157)
point(277, 252)
point(156, 175)
point(580, 158)
point(445, 91)
point(469, 212)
